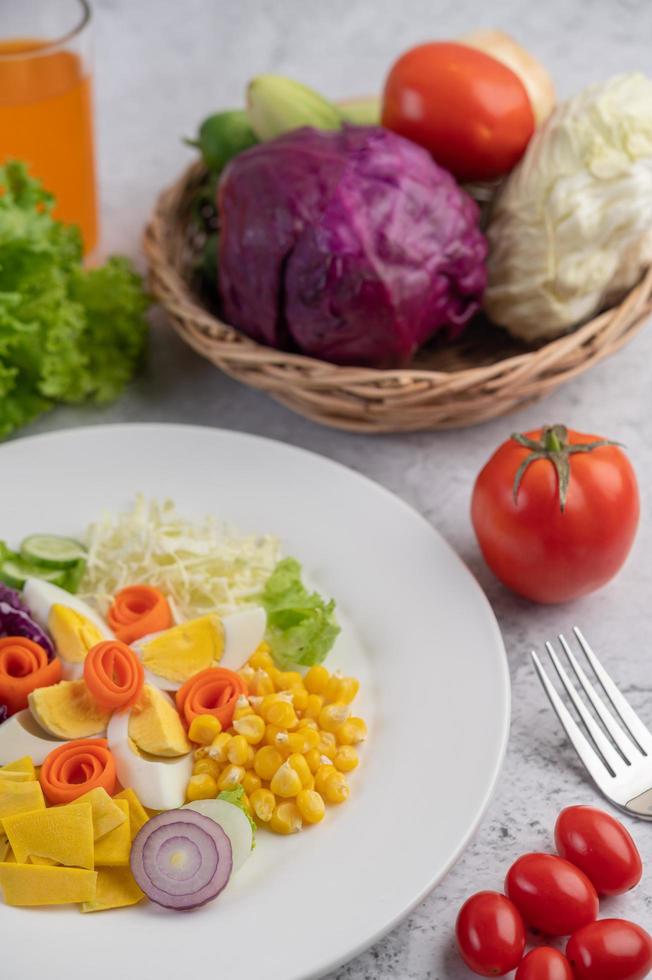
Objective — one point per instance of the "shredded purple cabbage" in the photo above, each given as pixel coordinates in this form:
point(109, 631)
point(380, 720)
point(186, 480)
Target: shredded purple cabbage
point(353, 246)
point(18, 622)
point(12, 598)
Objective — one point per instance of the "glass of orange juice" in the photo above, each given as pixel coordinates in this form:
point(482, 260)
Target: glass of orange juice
point(46, 114)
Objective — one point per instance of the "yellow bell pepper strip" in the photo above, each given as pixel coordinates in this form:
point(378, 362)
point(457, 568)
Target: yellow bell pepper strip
point(34, 884)
point(116, 888)
point(63, 834)
point(113, 849)
point(107, 815)
point(19, 798)
point(137, 813)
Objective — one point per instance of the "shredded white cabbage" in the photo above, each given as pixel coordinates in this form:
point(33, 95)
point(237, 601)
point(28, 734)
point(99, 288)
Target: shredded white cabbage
point(200, 566)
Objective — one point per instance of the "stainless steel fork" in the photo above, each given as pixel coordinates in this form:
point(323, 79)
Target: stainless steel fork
point(617, 753)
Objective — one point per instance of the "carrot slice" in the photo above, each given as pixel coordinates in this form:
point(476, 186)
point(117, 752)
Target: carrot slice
point(213, 691)
point(24, 666)
point(73, 769)
point(137, 611)
point(114, 675)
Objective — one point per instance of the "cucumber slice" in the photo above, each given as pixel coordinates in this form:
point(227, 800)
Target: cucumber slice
point(51, 551)
point(14, 571)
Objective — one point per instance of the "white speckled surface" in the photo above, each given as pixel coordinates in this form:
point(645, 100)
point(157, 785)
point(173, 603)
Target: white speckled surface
point(161, 66)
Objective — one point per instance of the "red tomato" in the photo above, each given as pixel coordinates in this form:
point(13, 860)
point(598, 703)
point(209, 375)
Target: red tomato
point(544, 963)
point(490, 934)
point(612, 949)
point(553, 896)
point(598, 844)
point(534, 546)
point(469, 110)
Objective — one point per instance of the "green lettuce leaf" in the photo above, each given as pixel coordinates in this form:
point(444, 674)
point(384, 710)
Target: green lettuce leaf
point(67, 334)
point(301, 626)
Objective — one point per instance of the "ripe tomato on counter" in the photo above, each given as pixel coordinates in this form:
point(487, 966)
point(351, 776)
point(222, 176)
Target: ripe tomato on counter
point(490, 934)
point(601, 846)
point(553, 896)
point(555, 513)
point(469, 110)
point(611, 949)
point(544, 963)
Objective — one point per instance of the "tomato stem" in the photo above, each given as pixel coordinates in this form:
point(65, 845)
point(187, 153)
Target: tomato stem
point(555, 447)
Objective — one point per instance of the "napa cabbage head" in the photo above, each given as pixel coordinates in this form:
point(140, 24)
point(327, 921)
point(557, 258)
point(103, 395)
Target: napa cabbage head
point(571, 228)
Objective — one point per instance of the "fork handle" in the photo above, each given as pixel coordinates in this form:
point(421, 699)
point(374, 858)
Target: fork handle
point(641, 806)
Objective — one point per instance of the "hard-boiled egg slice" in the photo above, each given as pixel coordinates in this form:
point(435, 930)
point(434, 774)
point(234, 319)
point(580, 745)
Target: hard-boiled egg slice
point(72, 624)
point(172, 656)
point(20, 735)
point(67, 710)
point(159, 784)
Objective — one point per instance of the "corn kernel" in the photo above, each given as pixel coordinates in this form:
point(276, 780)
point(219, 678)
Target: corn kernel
point(310, 806)
point(336, 788)
point(286, 781)
point(207, 766)
point(332, 691)
point(251, 782)
point(308, 723)
point(349, 687)
point(313, 706)
point(242, 708)
point(219, 746)
point(332, 716)
point(261, 658)
point(271, 731)
point(263, 804)
point(302, 769)
point(201, 786)
point(251, 728)
point(239, 752)
point(346, 758)
point(247, 674)
point(303, 740)
point(282, 714)
point(316, 680)
point(231, 777)
point(286, 818)
point(299, 698)
point(266, 761)
point(321, 776)
point(327, 744)
point(203, 729)
point(261, 683)
point(352, 731)
point(313, 758)
point(291, 679)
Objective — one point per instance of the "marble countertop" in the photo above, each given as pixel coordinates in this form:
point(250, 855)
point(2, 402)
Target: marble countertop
point(160, 67)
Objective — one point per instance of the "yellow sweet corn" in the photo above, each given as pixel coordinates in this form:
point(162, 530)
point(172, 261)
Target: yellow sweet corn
point(336, 788)
point(332, 716)
point(321, 776)
point(239, 752)
point(303, 740)
point(302, 769)
point(313, 707)
point(327, 744)
point(263, 803)
point(352, 731)
point(313, 758)
point(230, 778)
point(308, 723)
point(349, 687)
point(286, 781)
point(261, 683)
point(282, 714)
point(316, 680)
point(332, 689)
point(310, 805)
point(247, 674)
point(286, 818)
point(267, 761)
point(219, 747)
point(203, 729)
point(251, 727)
point(251, 782)
point(346, 758)
point(242, 708)
point(207, 766)
point(299, 698)
point(261, 658)
point(201, 786)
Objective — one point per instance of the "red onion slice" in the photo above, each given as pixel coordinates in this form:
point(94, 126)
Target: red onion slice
point(181, 859)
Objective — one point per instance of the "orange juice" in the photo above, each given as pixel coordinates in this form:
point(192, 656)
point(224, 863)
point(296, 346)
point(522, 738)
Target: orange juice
point(46, 120)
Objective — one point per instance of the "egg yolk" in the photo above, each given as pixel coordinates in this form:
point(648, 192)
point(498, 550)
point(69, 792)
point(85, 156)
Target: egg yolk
point(73, 634)
point(184, 650)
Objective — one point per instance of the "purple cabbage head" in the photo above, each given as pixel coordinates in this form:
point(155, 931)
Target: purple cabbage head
point(352, 246)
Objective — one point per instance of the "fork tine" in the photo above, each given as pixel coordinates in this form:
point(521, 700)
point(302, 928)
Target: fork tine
point(603, 745)
point(636, 728)
point(591, 760)
point(628, 748)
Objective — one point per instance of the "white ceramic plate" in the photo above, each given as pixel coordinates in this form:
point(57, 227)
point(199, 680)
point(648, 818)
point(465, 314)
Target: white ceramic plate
point(418, 632)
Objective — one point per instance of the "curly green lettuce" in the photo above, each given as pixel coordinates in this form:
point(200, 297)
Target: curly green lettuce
point(301, 626)
point(67, 334)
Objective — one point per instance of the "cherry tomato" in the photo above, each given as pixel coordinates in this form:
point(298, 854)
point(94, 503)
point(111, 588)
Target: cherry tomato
point(601, 846)
point(490, 934)
point(612, 949)
point(469, 110)
point(553, 896)
point(544, 963)
point(547, 541)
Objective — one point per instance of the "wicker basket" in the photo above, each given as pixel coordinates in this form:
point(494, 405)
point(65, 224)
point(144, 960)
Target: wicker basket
point(483, 375)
